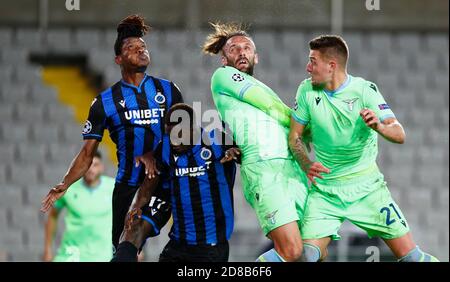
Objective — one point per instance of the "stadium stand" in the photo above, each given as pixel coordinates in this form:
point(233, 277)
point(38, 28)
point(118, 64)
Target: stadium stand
point(39, 134)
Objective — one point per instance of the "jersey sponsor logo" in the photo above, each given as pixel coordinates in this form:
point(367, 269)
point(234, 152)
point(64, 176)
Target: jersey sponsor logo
point(318, 100)
point(160, 98)
point(271, 217)
point(237, 77)
point(192, 171)
point(205, 154)
point(383, 106)
point(147, 116)
point(350, 103)
point(295, 105)
point(87, 127)
point(122, 103)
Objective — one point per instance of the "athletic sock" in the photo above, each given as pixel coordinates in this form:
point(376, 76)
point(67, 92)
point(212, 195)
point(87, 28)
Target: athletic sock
point(310, 253)
point(416, 255)
point(270, 256)
point(126, 252)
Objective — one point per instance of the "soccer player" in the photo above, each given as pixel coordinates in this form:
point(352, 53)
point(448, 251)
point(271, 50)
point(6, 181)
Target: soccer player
point(87, 234)
point(201, 178)
point(273, 184)
point(346, 114)
point(132, 110)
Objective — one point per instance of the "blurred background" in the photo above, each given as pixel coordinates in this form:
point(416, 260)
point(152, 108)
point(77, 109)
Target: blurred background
point(54, 61)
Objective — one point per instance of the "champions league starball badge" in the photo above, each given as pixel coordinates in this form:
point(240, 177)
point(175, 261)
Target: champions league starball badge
point(87, 127)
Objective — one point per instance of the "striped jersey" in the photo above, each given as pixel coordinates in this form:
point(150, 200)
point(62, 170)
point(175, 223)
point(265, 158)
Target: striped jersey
point(201, 191)
point(134, 117)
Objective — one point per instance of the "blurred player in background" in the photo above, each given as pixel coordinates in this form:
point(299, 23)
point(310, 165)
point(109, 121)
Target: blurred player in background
point(273, 184)
point(346, 114)
point(132, 110)
point(87, 234)
point(202, 171)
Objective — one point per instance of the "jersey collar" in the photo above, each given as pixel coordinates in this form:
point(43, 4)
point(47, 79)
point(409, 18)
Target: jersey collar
point(134, 86)
point(340, 88)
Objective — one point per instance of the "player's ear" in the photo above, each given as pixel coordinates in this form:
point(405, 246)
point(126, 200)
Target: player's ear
point(118, 60)
point(256, 58)
point(333, 65)
point(223, 60)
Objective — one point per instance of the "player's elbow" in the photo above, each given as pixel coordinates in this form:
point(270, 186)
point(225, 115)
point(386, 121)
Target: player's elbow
point(400, 138)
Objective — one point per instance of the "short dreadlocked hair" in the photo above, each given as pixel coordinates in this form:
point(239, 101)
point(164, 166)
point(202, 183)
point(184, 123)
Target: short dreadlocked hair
point(131, 26)
point(215, 41)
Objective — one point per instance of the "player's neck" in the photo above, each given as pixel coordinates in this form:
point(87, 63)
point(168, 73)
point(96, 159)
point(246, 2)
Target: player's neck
point(134, 78)
point(338, 79)
point(93, 183)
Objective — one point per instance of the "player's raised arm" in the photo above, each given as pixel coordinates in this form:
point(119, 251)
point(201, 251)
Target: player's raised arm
point(78, 168)
point(229, 81)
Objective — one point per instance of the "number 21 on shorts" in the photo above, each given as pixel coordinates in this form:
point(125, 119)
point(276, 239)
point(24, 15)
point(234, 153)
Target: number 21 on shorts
point(389, 219)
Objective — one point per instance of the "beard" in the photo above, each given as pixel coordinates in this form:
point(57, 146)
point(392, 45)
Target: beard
point(248, 70)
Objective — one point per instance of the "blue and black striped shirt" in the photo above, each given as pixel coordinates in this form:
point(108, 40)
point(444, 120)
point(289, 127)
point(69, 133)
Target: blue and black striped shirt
point(134, 117)
point(201, 193)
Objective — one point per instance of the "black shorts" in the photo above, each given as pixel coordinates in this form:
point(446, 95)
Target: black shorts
point(123, 197)
point(177, 252)
point(158, 211)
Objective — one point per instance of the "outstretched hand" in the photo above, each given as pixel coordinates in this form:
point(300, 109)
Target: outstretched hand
point(149, 162)
point(54, 194)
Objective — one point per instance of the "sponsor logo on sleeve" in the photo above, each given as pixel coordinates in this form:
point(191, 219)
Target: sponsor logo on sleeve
point(383, 106)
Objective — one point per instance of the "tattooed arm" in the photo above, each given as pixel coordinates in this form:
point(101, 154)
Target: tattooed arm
point(300, 153)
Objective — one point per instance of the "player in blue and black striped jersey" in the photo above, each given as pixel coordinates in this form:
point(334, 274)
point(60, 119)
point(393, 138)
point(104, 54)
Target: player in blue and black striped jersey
point(133, 111)
point(200, 168)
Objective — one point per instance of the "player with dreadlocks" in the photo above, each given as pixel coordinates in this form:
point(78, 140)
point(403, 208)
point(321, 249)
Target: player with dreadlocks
point(133, 111)
point(273, 183)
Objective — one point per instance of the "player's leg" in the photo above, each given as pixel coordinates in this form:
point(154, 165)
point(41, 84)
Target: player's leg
point(315, 250)
point(268, 190)
point(406, 250)
point(287, 244)
point(321, 222)
point(122, 198)
point(154, 216)
point(379, 215)
point(130, 241)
